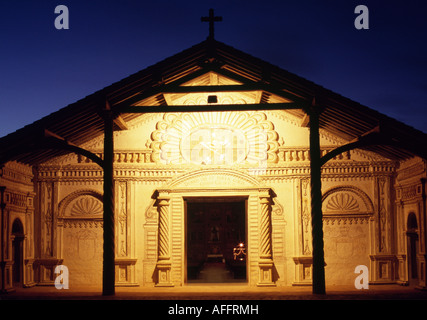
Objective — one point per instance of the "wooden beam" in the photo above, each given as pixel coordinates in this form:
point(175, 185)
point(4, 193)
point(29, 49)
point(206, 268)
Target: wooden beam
point(208, 108)
point(213, 88)
point(305, 121)
point(49, 141)
point(118, 120)
point(263, 86)
point(157, 89)
point(371, 137)
point(48, 133)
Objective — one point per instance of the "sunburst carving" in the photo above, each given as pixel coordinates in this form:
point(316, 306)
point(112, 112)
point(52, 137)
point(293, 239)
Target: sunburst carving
point(86, 206)
point(343, 202)
point(215, 138)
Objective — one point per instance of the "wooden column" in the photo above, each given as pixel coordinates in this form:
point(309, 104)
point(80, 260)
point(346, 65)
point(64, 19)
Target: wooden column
point(2, 242)
point(108, 276)
point(316, 204)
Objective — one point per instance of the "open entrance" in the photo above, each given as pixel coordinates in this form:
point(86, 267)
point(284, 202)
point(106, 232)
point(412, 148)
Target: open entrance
point(17, 252)
point(412, 228)
point(216, 240)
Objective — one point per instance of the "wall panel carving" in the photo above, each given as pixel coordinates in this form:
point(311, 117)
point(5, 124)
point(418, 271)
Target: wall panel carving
point(347, 212)
point(214, 137)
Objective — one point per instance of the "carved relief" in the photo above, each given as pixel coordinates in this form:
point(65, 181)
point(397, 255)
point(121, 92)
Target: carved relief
point(215, 178)
point(346, 205)
point(346, 245)
point(215, 138)
point(81, 202)
point(81, 209)
point(346, 200)
point(83, 254)
point(122, 217)
point(383, 210)
point(343, 202)
point(47, 217)
point(306, 216)
point(86, 206)
point(81, 215)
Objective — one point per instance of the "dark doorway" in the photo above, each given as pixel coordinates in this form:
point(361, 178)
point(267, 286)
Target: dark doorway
point(17, 252)
point(216, 241)
point(412, 228)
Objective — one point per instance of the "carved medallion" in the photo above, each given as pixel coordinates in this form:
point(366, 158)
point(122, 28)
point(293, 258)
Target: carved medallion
point(220, 138)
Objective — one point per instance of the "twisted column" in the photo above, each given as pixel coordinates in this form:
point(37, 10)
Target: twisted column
point(163, 263)
point(265, 229)
point(265, 262)
point(163, 207)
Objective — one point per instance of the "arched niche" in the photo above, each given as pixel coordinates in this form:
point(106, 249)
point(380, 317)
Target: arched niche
point(346, 200)
point(17, 235)
point(411, 223)
point(82, 204)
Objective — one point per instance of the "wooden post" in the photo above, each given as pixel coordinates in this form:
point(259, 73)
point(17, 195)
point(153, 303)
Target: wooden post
point(108, 280)
point(316, 204)
point(2, 242)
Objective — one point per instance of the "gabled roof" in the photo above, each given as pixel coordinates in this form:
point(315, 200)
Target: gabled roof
point(82, 121)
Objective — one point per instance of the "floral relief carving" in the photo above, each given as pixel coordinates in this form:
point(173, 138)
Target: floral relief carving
point(214, 138)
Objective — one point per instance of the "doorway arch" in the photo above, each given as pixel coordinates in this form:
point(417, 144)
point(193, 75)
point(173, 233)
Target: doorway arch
point(17, 252)
point(412, 249)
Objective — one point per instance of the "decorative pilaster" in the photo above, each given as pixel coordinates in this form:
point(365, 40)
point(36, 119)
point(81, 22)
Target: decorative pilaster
point(125, 258)
point(6, 274)
point(384, 262)
point(422, 257)
point(265, 254)
point(304, 260)
point(163, 262)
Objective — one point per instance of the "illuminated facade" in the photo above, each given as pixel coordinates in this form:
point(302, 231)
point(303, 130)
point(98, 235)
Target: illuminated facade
point(192, 188)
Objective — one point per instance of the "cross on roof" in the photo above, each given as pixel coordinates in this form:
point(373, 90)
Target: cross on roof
point(211, 19)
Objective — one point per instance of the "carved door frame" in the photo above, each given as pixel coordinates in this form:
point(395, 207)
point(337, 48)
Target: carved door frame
point(171, 263)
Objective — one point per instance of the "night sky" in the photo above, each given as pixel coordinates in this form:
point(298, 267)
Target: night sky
point(44, 69)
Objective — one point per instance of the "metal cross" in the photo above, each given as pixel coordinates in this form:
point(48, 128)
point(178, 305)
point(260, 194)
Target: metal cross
point(211, 19)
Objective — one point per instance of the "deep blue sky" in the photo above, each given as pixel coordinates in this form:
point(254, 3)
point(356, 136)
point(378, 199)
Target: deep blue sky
point(44, 69)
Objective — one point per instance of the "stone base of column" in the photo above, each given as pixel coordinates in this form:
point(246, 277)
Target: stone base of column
point(382, 269)
point(45, 270)
point(303, 271)
point(265, 273)
point(163, 269)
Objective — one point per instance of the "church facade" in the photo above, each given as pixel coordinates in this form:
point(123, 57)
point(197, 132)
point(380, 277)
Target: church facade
point(214, 188)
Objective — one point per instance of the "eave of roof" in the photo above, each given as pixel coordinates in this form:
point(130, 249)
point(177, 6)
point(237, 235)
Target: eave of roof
point(82, 121)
